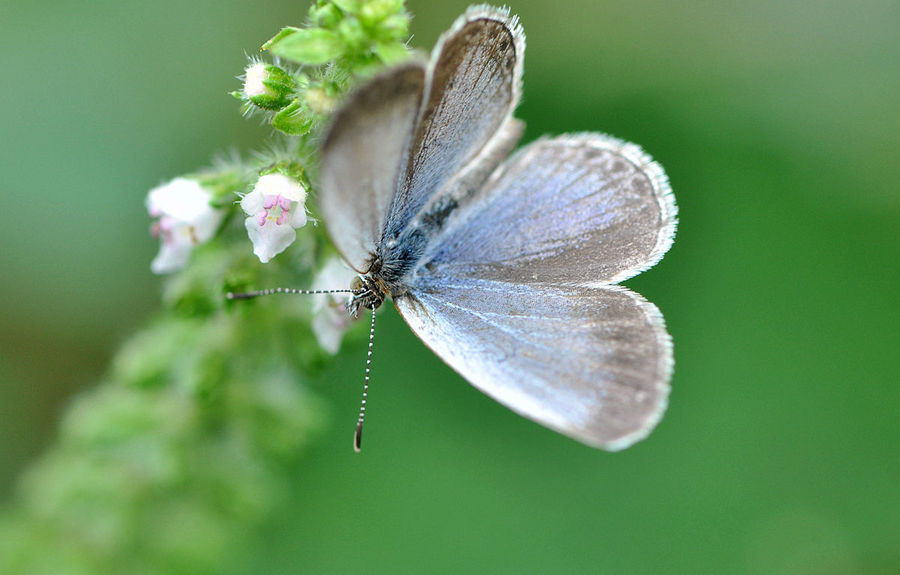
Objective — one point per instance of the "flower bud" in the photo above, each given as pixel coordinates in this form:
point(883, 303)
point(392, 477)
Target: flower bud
point(318, 101)
point(267, 86)
point(326, 16)
point(375, 11)
point(352, 34)
point(294, 120)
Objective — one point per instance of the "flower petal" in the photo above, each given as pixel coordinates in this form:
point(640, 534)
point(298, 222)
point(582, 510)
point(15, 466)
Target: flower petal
point(269, 240)
point(252, 203)
point(172, 257)
point(281, 185)
point(328, 332)
point(331, 318)
point(254, 77)
point(298, 217)
point(182, 199)
point(206, 225)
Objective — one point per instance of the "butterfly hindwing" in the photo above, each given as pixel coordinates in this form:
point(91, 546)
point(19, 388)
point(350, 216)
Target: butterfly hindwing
point(591, 363)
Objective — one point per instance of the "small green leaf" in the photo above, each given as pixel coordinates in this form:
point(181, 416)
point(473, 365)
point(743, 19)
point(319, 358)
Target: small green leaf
point(314, 47)
point(285, 32)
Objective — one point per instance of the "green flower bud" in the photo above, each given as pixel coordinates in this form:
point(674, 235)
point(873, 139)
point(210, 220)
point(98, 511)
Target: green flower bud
point(294, 120)
point(352, 34)
point(267, 86)
point(375, 11)
point(318, 101)
point(348, 6)
point(326, 16)
point(391, 52)
point(394, 27)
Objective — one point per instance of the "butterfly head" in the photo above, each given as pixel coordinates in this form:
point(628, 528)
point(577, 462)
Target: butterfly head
point(368, 292)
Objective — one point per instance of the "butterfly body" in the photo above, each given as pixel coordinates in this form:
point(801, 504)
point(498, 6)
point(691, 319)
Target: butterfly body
point(506, 266)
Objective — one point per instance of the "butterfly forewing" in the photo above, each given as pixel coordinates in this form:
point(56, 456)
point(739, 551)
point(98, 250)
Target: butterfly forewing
point(473, 88)
point(583, 209)
point(362, 156)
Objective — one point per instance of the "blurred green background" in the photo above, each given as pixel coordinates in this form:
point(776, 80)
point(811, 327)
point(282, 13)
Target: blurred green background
point(778, 125)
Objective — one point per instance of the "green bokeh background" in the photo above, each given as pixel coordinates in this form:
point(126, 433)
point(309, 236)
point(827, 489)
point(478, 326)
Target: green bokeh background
point(778, 125)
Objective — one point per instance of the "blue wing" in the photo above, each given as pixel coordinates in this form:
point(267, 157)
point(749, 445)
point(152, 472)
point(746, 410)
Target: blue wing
point(473, 87)
point(585, 209)
point(516, 291)
point(591, 363)
point(361, 159)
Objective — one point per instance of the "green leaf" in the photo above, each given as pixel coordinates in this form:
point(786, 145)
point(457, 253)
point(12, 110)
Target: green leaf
point(314, 47)
point(285, 32)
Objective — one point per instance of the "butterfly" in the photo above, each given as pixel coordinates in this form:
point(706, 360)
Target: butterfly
point(508, 268)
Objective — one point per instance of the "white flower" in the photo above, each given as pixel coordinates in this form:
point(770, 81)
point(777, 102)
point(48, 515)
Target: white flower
point(330, 316)
point(185, 219)
point(276, 207)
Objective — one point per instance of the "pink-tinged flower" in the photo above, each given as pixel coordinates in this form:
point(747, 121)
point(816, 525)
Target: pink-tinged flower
point(277, 207)
point(330, 316)
point(185, 219)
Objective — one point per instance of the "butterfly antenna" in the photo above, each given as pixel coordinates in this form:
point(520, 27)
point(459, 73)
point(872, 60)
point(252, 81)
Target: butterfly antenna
point(357, 437)
point(253, 294)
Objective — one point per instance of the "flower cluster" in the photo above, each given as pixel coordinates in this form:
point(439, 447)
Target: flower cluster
point(343, 39)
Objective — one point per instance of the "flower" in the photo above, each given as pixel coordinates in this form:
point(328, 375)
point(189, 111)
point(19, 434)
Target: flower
point(276, 207)
point(330, 316)
point(185, 219)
